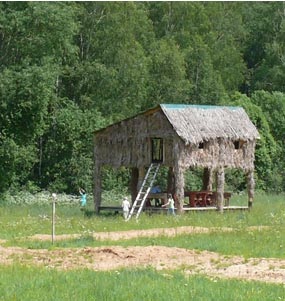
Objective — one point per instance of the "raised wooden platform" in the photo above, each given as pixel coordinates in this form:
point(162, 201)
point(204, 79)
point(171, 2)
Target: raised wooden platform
point(210, 208)
point(152, 209)
point(110, 208)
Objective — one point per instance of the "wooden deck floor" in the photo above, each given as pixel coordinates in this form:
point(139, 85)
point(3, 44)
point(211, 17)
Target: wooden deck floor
point(186, 209)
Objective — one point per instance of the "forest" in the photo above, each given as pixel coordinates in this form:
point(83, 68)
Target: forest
point(70, 68)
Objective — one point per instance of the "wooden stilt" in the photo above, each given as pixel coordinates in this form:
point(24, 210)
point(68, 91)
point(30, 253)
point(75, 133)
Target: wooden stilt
point(179, 187)
point(134, 183)
point(220, 189)
point(97, 188)
point(141, 175)
point(208, 179)
point(250, 187)
point(170, 181)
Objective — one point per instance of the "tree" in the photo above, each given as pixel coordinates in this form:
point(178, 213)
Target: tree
point(226, 40)
point(168, 82)
point(210, 36)
point(264, 52)
point(36, 39)
point(273, 106)
point(68, 148)
point(206, 82)
point(24, 99)
point(266, 147)
point(113, 71)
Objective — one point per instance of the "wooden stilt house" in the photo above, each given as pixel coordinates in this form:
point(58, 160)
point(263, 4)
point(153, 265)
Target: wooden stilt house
point(180, 137)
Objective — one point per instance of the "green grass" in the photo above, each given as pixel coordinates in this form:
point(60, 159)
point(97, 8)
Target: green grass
point(26, 283)
point(25, 220)
point(18, 282)
point(18, 222)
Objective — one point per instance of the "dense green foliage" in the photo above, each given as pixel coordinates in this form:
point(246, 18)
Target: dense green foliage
point(69, 68)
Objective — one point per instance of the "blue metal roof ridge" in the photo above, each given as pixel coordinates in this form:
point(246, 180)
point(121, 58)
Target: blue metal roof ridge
point(205, 107)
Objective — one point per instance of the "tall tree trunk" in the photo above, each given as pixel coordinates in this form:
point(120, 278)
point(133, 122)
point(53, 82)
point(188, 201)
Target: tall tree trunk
point(40, 156)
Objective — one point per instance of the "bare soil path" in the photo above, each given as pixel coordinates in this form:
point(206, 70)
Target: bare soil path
point(159, 257)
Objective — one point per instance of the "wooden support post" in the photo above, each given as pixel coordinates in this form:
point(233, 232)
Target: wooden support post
point(179, 187)
point(220, 189)
point(141, 176)
point(134, 183)
point(208, 179)
point(97, 188)
point(250, 187)
point(170, 181)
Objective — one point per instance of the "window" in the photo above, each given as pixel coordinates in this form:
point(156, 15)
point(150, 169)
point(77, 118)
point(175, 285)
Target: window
point(157, 150)
point(238, 144)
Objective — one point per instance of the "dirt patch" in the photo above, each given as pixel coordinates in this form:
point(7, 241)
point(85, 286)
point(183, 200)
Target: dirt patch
point(158, 257)
point(124, 235)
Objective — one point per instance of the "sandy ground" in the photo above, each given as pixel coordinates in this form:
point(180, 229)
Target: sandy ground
point(158, 257)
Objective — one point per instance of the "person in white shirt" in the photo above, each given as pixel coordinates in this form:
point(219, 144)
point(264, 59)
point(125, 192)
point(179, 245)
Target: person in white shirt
point(170, 205)
point(126, 207)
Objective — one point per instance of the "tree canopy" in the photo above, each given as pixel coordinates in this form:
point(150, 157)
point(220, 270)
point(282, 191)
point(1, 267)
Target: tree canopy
point(69, 68)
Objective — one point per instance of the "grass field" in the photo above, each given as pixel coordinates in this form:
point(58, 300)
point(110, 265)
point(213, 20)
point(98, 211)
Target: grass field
point(29, 284)
point(22, 282)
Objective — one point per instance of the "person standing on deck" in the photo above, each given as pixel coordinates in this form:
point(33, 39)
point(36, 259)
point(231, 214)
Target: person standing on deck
point(126, 207)
point(170, 204)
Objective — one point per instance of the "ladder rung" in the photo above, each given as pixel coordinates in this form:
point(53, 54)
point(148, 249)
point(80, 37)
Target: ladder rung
point(144, 190)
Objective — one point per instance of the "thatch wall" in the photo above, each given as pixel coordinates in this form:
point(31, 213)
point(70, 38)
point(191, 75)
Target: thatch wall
point(128, 143)
point(218, 152)
point(135, 151)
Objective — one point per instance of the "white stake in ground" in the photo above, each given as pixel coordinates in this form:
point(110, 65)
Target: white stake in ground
point(54, 196)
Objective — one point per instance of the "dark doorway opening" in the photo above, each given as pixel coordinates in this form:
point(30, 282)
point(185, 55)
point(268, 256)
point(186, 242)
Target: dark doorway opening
point(156, 150)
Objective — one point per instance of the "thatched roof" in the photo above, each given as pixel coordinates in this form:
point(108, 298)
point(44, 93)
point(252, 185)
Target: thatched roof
point(197, 123)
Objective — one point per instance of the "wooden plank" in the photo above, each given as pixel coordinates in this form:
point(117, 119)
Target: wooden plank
point(186, 209)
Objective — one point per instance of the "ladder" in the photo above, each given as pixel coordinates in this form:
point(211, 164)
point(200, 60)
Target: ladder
point(144, 190)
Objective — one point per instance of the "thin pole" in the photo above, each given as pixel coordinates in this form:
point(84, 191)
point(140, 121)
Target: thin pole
point(53, 218)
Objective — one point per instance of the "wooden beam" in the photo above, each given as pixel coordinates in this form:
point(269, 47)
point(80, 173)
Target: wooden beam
point(141, 175)
point(134, 183)
point(179, 187)
point(250, 187)
point(220, 188)
point(170, 181)
point(97, 189)
point(208, 179)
